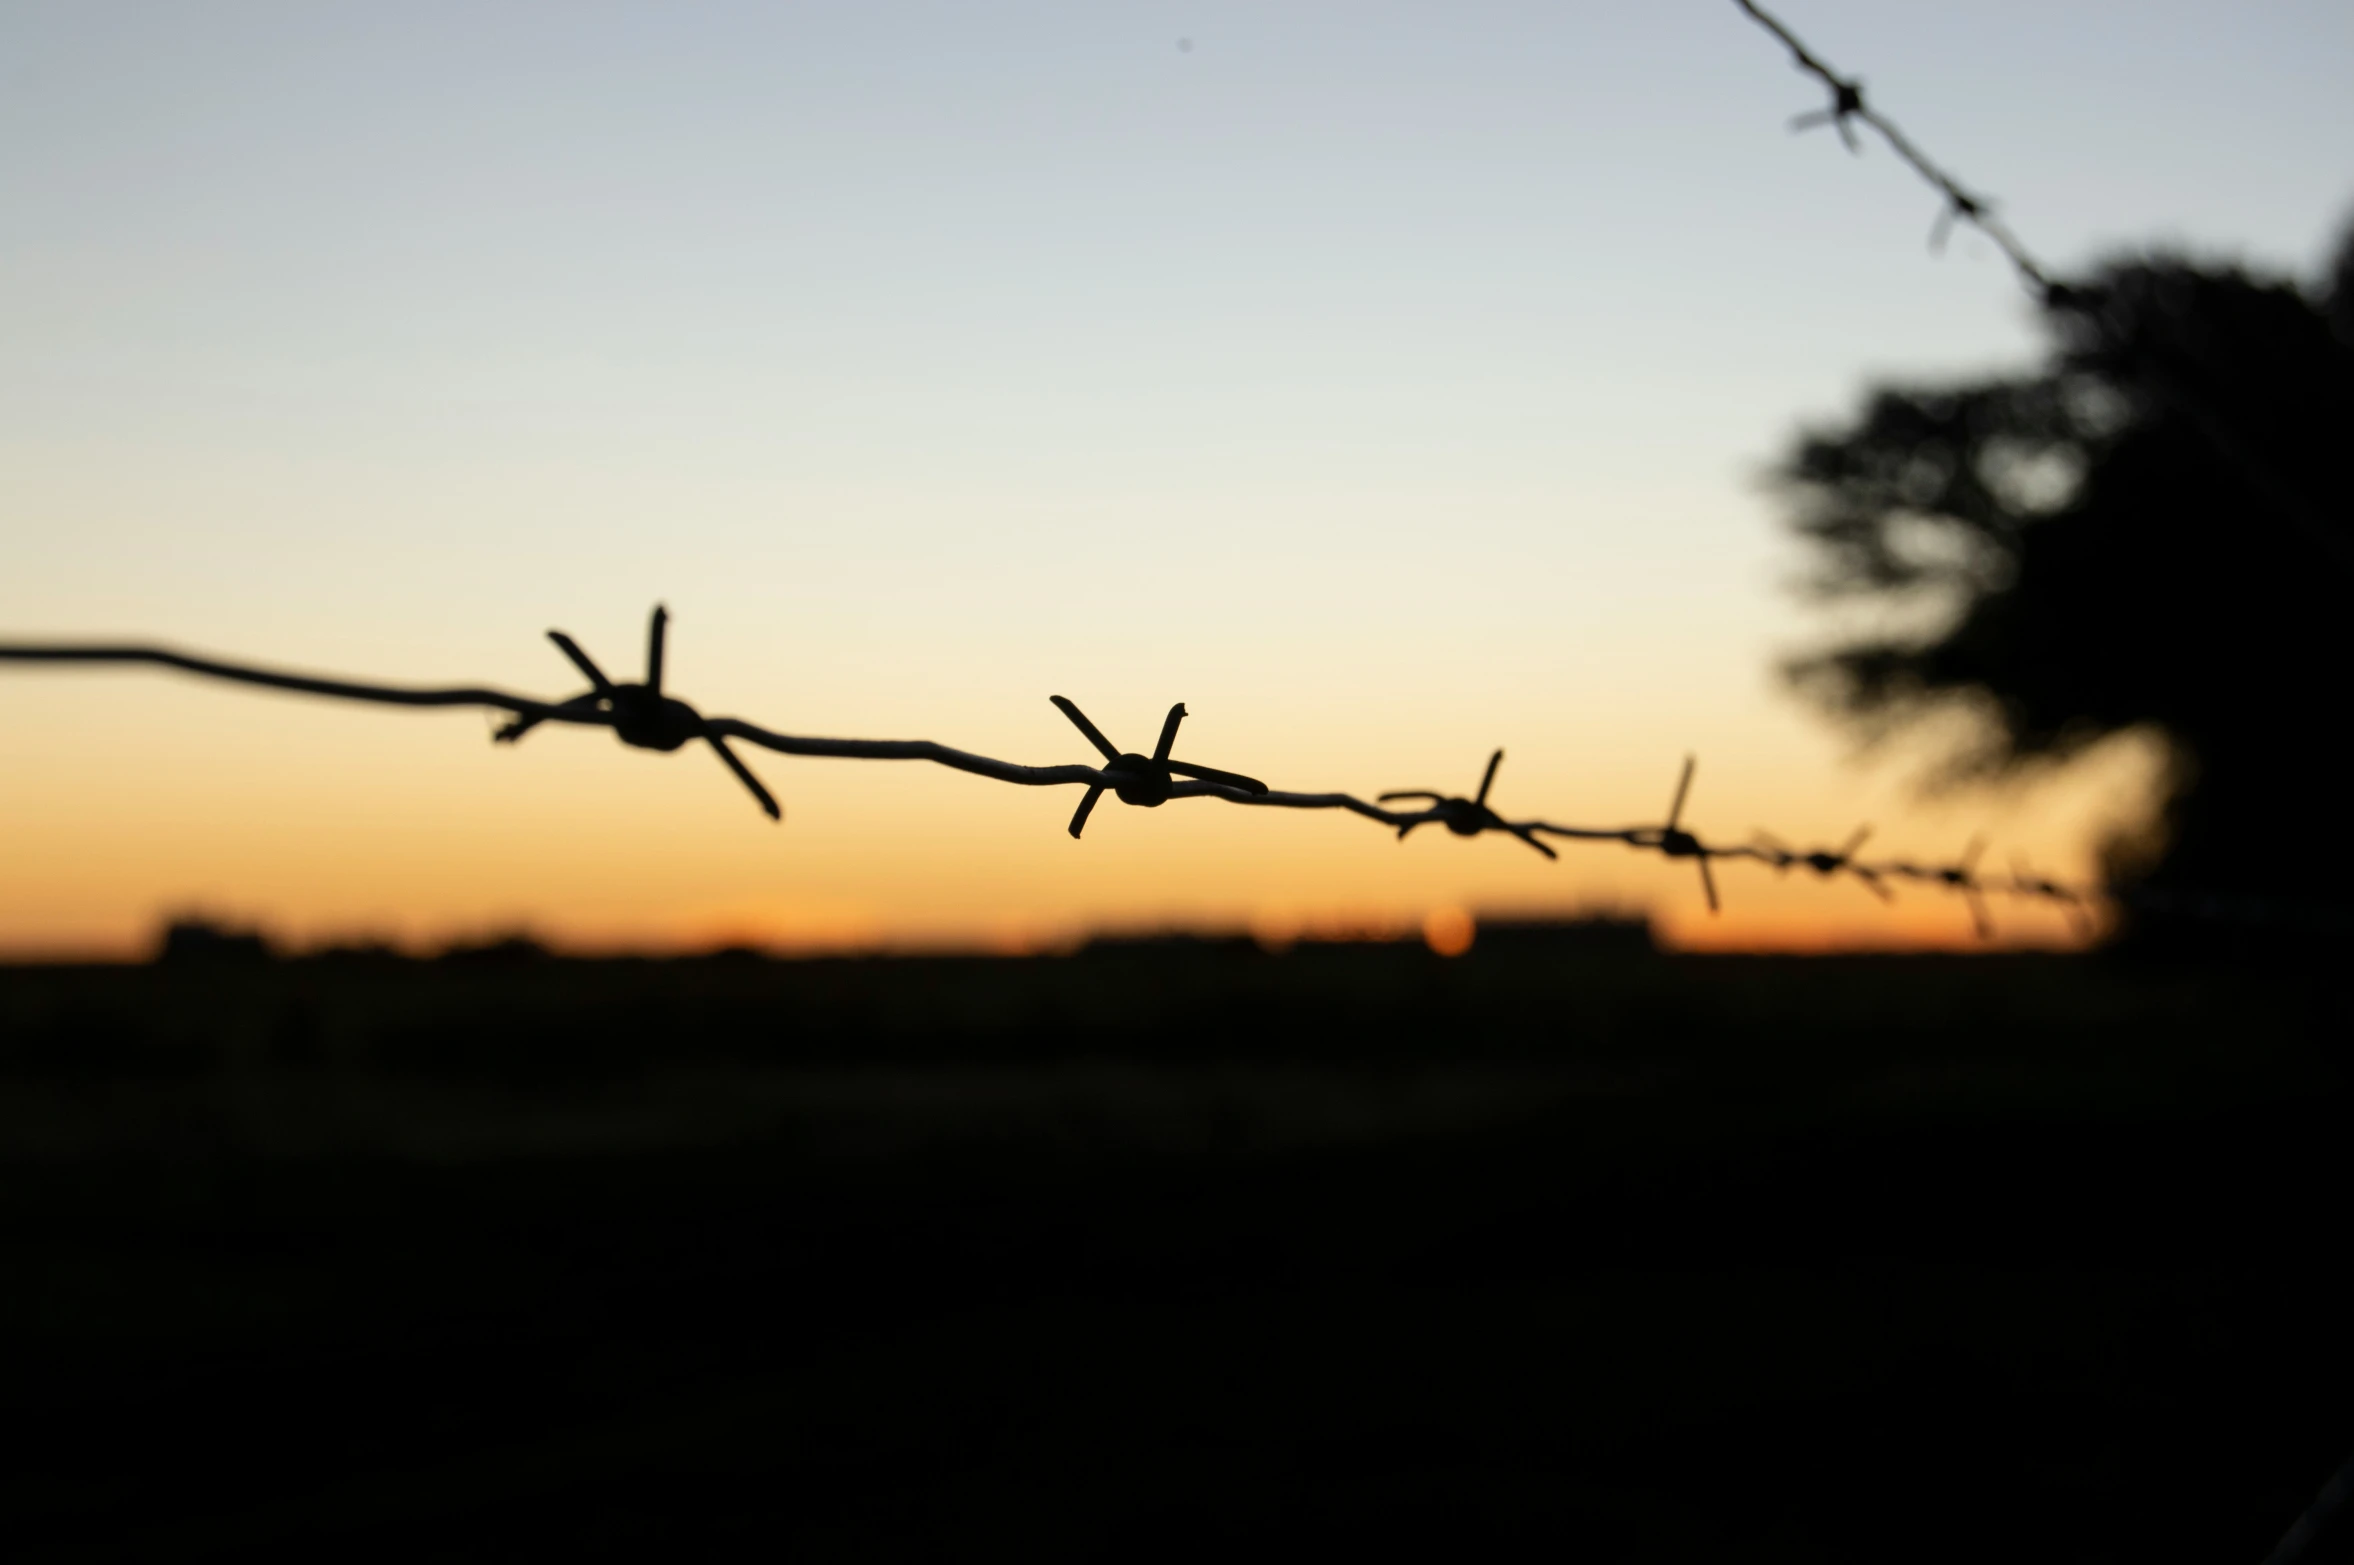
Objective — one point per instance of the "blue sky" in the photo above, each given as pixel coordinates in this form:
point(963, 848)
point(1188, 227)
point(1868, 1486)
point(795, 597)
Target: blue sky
point(1392, 380)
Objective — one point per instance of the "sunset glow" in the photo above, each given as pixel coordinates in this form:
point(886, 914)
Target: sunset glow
point(1387, 384)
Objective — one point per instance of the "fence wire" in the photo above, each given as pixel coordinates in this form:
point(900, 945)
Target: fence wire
point(2178, 370)
point(644, 715)
point(2178, 366)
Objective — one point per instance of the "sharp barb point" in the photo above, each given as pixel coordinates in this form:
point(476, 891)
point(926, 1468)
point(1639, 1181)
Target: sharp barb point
point(582, 661)
point(1488, 778)
point(1070, 709)
point(1675, 809)
point(1169, 731)
point(1086, 806)
point(774, 810)
point(1211, 774)
point(1530, 837)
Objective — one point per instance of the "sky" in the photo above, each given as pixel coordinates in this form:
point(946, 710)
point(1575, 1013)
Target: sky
point(1387, 382)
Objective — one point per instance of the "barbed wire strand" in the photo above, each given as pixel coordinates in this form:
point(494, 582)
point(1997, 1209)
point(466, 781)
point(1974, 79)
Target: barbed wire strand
point(2176, 375)
point(643, 715)
point(1849, 107)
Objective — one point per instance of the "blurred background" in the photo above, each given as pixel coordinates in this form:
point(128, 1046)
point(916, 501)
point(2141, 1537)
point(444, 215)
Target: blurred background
point(414, 1146)
point(1387, 382)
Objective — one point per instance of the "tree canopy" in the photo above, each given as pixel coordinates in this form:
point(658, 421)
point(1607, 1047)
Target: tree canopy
point(2154, 531)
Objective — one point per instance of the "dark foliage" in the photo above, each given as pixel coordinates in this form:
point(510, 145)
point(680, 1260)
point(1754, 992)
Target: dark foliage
point(2155, 532)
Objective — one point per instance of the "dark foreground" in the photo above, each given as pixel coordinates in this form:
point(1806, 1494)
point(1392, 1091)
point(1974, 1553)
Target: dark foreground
point(1164, 1254)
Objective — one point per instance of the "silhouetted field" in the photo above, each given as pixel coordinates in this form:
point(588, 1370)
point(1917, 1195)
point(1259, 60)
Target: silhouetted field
point(1164, 1250)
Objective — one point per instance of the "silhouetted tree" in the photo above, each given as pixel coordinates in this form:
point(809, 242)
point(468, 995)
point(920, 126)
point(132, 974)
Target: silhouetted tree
point(2154, 532)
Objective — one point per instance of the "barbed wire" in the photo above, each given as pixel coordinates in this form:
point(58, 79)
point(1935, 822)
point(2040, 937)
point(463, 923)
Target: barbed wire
point(1849, 108)
point(642, 714)
point(2175, 371)
point(2172, 369)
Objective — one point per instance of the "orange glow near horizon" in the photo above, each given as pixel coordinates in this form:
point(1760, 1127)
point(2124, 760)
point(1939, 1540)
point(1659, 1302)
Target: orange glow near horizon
point(927, 372)
point(322, 824)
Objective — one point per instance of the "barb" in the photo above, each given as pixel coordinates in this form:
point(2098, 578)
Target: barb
point(1467, 817)
point(1672, 841)
point(1145, 780)
point(1768, 849)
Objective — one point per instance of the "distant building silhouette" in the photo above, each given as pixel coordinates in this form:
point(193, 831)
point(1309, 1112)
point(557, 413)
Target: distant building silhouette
point(1618, 934)
point(503, 951)
point(193, 939)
